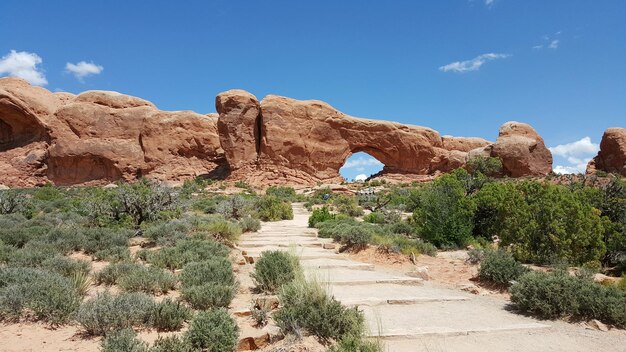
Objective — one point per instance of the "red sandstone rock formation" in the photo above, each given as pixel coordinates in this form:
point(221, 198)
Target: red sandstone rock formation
point(99, 137)
point(612, 154)
point(522, 151)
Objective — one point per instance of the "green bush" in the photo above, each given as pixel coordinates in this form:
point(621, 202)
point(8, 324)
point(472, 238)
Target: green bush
point(234, 207)
point(542, 222)
point(445, 214)
point(347, 205)
point(249, 224)
point(555, 295)
point(107, 312)
point(500, 267)
point(172, 343)
point(170, 315)
point(223, 230)
point(167, 233)
point(186, 251)
point(306, 305)
point(402, 244)
point(123, 341)
point(274, 269)
point(213, 331)
point(320, 215)
point(144, 200)
point(50, 296)
point(488, 166)
point(282, 192)
point(110, 274)
point(100, 239)
point(12, 201)
point(356, 344)
point(217, 270)
point(147, 279)
point(352, 234)
point(208, 284)
point(270, 208)
point(374, 218)
point(208, 296)
point(113, 254)
point(65, 266)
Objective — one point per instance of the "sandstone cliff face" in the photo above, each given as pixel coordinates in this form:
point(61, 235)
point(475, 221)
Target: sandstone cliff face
point(612, 154)
point(99, 137)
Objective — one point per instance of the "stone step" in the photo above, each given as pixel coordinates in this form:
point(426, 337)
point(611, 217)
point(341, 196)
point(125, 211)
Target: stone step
point(383, 294)
point(329, 263)
point(256, 244)
point(301, 252)
point(449, 318)
point(350, 277)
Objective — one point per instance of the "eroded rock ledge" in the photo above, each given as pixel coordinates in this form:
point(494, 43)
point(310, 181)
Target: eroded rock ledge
point(98, 136)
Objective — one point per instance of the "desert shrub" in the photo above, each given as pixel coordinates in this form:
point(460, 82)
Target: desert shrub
point(445, 214)
point(500, 267)
point(123, 341)
point(208, 296)
point(186, 251)
point(223, 230)
point(144, 200)
point(352, 234)
point(356, 344)
point(215, 270)
point(557, 294)
point(375, 217)
point(274, 269)
point(113, 254)
point(110, 274)
point(488, 166)
point(542, 222)
point(475, 255)
point(167, 233)
point(249, 224)
point(260, 316)
point(282, 192)
point(31, 255)
point(208, 284)
point(347, 206)
point(50, 296)
point(12, 201)
point(213, 331)
point(401, 228)
point(270, 208)
point(107, 312)
point(306, 305)
point(402, 244)
point(234, 207)
point(170, 315)
point(320, 215)
point(621, 284)
point(99, 239)
point(65, 266)
point(172, 343)
point(147, 279)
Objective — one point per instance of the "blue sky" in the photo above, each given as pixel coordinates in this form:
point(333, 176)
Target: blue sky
point(462, 67)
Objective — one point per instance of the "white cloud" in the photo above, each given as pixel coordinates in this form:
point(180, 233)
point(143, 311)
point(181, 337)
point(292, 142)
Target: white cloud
point(549, 42)
point(24, 65)
point(489, 2)
point(360, 177)
point(577, 154)
point(83, 69)
point(473, 64)
point(578, 169)
point(361, 162)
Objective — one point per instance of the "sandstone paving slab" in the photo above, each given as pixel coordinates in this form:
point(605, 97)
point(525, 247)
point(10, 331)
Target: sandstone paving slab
point(343, 276)
point(301, 252)
point(381, 294)
point(330, 263)
point(450, 318)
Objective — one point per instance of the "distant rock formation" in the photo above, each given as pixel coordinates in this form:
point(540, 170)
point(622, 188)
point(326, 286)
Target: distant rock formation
point(612, 154)
point(98, 137)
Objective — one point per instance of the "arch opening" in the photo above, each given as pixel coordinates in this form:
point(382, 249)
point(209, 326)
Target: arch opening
point(360, 166)
point(17, 128)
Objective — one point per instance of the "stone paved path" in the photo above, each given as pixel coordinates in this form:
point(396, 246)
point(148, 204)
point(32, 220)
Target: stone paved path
point(410, 315)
